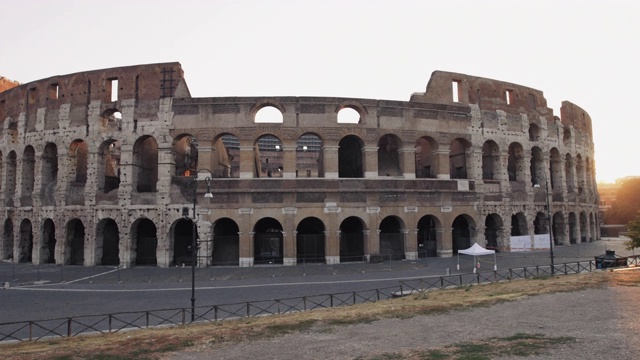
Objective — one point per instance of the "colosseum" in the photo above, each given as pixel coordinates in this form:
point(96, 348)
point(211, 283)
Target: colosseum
point(124, 167)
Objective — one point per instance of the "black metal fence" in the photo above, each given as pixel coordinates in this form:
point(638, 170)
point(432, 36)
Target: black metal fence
point(116, 322)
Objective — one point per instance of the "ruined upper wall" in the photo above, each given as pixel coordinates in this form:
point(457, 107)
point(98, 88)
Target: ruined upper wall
point(6, 84)
point(139, 82)
point(573, 115)
point(488, 94)
point(492, 95)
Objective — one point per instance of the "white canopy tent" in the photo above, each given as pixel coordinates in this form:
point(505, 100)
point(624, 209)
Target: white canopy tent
point(477, 250)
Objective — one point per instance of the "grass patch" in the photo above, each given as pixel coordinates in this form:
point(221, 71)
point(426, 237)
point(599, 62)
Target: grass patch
point(288, 328)
point(151, 344)
point(520, 344)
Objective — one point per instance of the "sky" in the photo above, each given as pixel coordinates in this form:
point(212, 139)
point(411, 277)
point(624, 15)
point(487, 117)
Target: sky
point(582, 51)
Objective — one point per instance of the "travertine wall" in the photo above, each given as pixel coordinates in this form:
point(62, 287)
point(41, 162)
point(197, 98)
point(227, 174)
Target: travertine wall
point(98, 166)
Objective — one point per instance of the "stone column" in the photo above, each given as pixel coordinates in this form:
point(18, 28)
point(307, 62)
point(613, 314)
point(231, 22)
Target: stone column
point(443, 170)
point(206, 157)
point(247, 162)
point(444, 242)
point(289, 243)
point(332, 247)
point(410, 243)
point(474, 163)
point(331, 161)
point(370, 162)
point(408, 159)
point(246, 239)
point(289, 159)
point(366, 238)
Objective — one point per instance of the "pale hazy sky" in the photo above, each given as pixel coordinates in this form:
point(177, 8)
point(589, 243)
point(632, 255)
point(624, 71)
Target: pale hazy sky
point(584, 51)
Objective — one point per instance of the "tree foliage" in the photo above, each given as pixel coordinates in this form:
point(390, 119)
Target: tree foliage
point(627, 203)
point(633, 232)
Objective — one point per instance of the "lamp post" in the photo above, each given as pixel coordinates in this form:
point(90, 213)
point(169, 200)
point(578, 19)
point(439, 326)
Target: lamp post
point(194, 234)
point(546, 187)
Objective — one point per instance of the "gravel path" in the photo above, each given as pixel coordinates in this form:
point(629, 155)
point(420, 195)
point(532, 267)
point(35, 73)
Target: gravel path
point(605, 323)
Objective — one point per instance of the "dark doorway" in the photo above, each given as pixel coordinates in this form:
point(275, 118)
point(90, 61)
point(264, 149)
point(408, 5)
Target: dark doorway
point(310, 241)
point(351, 240)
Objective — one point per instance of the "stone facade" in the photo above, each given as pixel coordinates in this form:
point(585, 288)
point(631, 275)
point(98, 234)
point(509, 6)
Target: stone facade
point(102, 168)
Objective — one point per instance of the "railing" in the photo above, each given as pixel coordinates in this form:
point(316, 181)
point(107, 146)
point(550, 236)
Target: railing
point(116, 322)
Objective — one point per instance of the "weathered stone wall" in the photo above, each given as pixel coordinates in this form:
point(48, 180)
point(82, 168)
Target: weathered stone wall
point(109, 169)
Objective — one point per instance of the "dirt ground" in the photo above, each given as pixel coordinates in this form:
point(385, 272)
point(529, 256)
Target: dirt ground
point(604, 321)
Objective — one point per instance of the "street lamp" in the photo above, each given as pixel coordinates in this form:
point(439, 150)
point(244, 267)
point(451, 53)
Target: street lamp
point(194, 236)
point(546, 187)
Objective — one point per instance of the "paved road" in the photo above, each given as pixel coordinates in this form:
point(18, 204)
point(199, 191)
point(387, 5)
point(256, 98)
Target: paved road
point(43, 292)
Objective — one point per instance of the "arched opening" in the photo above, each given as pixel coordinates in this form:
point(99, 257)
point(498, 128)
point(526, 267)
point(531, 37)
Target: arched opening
point(109, 166)
point(350, 157)
point(111, 120)
point(558, 225)
point(462, 232)
point(48, 251)
point(145, 238)
point(269, 157)
point(74, 244)
point(589, 175)
point(426, 161)
point(185, 153)
point(573, 228)
point(78, 154)
point(145, 164)
point(555, 169)
point(310, 241)
point(226, 157)
point(269, 114)
point(26, 242)
point(566, 137)
point(10, 188)
point(226, 242)
point(584, 227)
point(391, 239)
point(519, 225)
point(351, 240)
point(388, 156)
point(268, 247)
point(309, 156)
point(490, 161)
point(182, 242)
point(493, 231)
point(534, 132)
point(570, 169)
point(108, 243)
point(537, 166)
point(458, 159)
point(7, 236)
point(428, 236)
point(49, 174)
point(348, 115)
point(540, 224)
point(28, 170)
point(516, 163)
point(580, 174)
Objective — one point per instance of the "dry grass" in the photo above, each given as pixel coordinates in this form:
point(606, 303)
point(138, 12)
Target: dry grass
point(151, 344)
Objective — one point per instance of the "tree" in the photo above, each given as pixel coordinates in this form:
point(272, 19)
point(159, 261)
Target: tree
point(627, 203)
point(633, 232)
